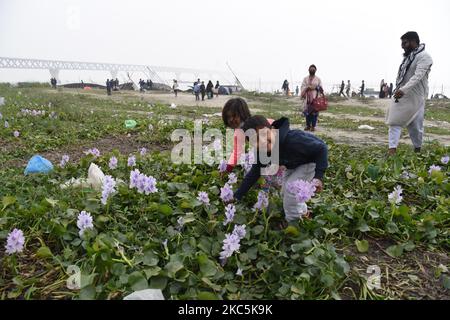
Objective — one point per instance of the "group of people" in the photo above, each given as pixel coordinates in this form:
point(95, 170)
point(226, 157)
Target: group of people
point(112, 85)
point(302, 155)
point(286, 90)
point(199, 88)
point(145, 85)
point(347, 89)
point(386, 91)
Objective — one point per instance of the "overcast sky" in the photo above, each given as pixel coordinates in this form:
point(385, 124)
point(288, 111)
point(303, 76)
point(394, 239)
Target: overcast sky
point(262, 40)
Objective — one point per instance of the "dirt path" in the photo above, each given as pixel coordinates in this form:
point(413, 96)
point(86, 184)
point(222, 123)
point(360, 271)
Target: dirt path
point(367, 138)
point(126, 144)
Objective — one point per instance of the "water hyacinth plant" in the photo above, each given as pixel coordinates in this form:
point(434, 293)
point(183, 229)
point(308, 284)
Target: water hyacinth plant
point(303, 190)
point(84, 222)
point(15, 242)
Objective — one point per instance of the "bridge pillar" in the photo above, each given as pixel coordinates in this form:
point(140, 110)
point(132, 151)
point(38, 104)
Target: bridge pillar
point(54, 72)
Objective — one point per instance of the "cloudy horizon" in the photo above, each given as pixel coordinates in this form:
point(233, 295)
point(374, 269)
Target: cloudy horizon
point(265, 42)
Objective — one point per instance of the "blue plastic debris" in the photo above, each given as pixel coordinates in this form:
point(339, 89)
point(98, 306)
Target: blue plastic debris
point(38, 164)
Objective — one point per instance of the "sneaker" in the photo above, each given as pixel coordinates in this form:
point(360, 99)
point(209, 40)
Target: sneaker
point(313, 129)
point(307, 129)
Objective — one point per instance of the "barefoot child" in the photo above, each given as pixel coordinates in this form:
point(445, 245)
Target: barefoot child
point(304, 155)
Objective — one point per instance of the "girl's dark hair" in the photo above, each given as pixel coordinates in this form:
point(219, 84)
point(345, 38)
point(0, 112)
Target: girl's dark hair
point(256, 122)
point(312, 66)
point(411, 36)
point(235, 106)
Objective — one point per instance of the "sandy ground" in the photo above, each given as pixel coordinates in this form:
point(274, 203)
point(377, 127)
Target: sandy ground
point(339, 135)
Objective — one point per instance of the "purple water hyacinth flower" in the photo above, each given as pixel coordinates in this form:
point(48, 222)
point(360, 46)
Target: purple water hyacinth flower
point(395, 197)
point(84, 222)
point(222, 166)
point(303, 190)
point(94, 151)
point(434, 168)
point(226, 193)
point(16, 134)
point(150, 185)
point(445, 160)
point(144, 184)
point(239, 272)
point(64, 160)
point(230, 210)
point(230, 244)
point(203, 197)
point(131, 161)
point(15, 242)
point(232, 179)
point(108, 188)
point(113, 163)
point(263, 201)
point(6, 124)
point(143, 151)
point(239, 231)
point(134, 178)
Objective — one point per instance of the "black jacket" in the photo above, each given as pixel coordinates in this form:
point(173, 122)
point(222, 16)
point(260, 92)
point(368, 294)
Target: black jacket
point(296, 148)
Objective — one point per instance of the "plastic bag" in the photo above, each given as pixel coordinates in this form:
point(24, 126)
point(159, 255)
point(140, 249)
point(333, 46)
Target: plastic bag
point(130, 124)
point(38, 164)
point(94, 180)
point(148, 294)
point(366, 127)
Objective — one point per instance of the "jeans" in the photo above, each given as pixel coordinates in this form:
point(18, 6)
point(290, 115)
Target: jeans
point(311, 120)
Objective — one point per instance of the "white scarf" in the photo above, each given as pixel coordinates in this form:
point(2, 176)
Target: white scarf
point(406, 63)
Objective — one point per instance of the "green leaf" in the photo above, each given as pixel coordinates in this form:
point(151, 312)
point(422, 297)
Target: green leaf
point(150, 258)
point(165, 209)
point(327, 280)
point(258, 230)
point(446, 282)
point(310, 260)
point(88, 293)
point(137, 281)
point(44, 252)
point(363, 245)
point(152, 272)
point(173, 267)
point(52, 202)
point(330, 231)
point(7, 201)
point(373, 172)
point(206, 295)
point(395, 251)
point(391, 227)
point(292, 231)
point(213, 286)
point(363, 227)
point(207, 267)
point(158, 282)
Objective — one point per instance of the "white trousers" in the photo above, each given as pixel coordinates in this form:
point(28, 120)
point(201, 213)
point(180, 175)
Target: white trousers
point(293, 210)
point(415, 129)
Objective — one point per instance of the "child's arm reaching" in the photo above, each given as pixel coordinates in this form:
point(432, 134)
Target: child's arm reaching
point(320, 156)
point(249, 180)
